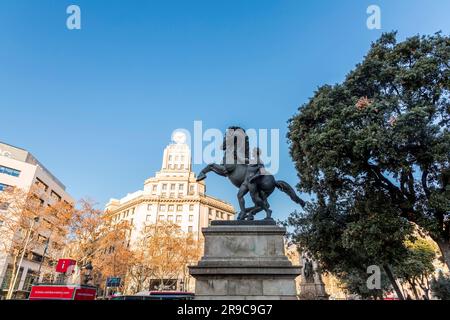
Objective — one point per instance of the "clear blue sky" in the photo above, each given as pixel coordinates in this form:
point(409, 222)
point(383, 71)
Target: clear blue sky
point(97, 106)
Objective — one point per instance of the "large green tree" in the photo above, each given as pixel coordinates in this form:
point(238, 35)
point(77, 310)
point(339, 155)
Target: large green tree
point(379, 137)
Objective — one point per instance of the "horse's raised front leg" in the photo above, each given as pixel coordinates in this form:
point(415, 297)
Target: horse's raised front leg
point(216, 168)
point(242, 192)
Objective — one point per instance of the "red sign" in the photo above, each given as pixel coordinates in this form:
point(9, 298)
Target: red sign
point(52, 293)
point(64, 265)
point(85, 294)
point(62, 293)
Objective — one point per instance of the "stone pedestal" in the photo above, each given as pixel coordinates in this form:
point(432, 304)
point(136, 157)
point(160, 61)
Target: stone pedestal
point(244, 260)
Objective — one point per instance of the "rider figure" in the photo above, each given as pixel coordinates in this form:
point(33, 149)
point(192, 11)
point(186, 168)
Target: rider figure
point(255, 169)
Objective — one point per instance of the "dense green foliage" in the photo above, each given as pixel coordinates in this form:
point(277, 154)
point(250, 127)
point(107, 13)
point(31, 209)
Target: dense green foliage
point(374, 151)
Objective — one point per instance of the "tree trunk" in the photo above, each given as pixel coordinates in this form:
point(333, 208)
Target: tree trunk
point(13, 276)
point(414, 289)
point(391, 278)
point(444, 247)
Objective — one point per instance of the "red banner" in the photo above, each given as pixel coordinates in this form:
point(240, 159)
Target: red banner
point(62, 293)
point(51, 293)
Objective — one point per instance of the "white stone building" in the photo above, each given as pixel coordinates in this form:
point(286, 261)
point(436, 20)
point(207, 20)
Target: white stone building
point(20, 169)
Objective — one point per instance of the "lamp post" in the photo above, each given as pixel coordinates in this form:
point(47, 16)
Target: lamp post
point(10, 292)
point(43, 255)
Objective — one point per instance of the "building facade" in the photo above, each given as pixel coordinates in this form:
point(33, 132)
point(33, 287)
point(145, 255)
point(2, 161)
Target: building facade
point(20, 169)
point(172, 195)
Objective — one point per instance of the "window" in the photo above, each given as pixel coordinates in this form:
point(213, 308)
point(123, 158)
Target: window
point(36, 257)
point(8, 276)
point(9, 171)
point(179, 218)
point(191, 189)
point(172, 186)
point(132, 211)
point(161, 218)
point(163, 194)
point(30, 278)
point(4, 205)
point(170, 218)
point(42, 239)
point(190, 229)
point(191, 218)
point(149, 207)
point(162, 207)
point(170, 157)
point(41, 184)
point(164, 186)
point(180, 207)
point(191, 207)
point(55, 196)
point(154, 187)
point(181, 187)
point(171, 207)
point(182, 158)
point(3, 186)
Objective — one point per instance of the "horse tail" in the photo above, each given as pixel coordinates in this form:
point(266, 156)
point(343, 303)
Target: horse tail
point(286, 188)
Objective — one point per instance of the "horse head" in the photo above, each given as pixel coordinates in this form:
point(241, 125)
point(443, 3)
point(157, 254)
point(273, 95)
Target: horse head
point(236, 146)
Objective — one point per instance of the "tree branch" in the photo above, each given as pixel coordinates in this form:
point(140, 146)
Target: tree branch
point(425, 184)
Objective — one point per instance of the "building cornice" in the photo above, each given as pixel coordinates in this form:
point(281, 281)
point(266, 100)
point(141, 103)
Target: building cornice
point(205, 199)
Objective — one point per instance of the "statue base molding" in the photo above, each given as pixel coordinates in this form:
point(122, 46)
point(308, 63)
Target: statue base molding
point(245, 261)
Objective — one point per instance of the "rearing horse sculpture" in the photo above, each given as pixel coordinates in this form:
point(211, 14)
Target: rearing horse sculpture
point(236, 166)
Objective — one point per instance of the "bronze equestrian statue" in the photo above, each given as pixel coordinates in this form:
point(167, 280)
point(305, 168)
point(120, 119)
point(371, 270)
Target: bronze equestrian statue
point(248, 175)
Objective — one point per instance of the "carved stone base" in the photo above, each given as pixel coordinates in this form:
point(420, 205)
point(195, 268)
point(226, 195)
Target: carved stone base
point(244, 260)
point(313, 291)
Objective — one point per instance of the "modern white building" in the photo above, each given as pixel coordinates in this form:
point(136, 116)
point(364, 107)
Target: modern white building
point(20, 169)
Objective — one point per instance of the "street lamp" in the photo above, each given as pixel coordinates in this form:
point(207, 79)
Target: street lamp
point(10, 292)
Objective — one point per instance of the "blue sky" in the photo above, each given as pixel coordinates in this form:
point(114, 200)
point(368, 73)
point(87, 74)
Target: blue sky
point(97, 105)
